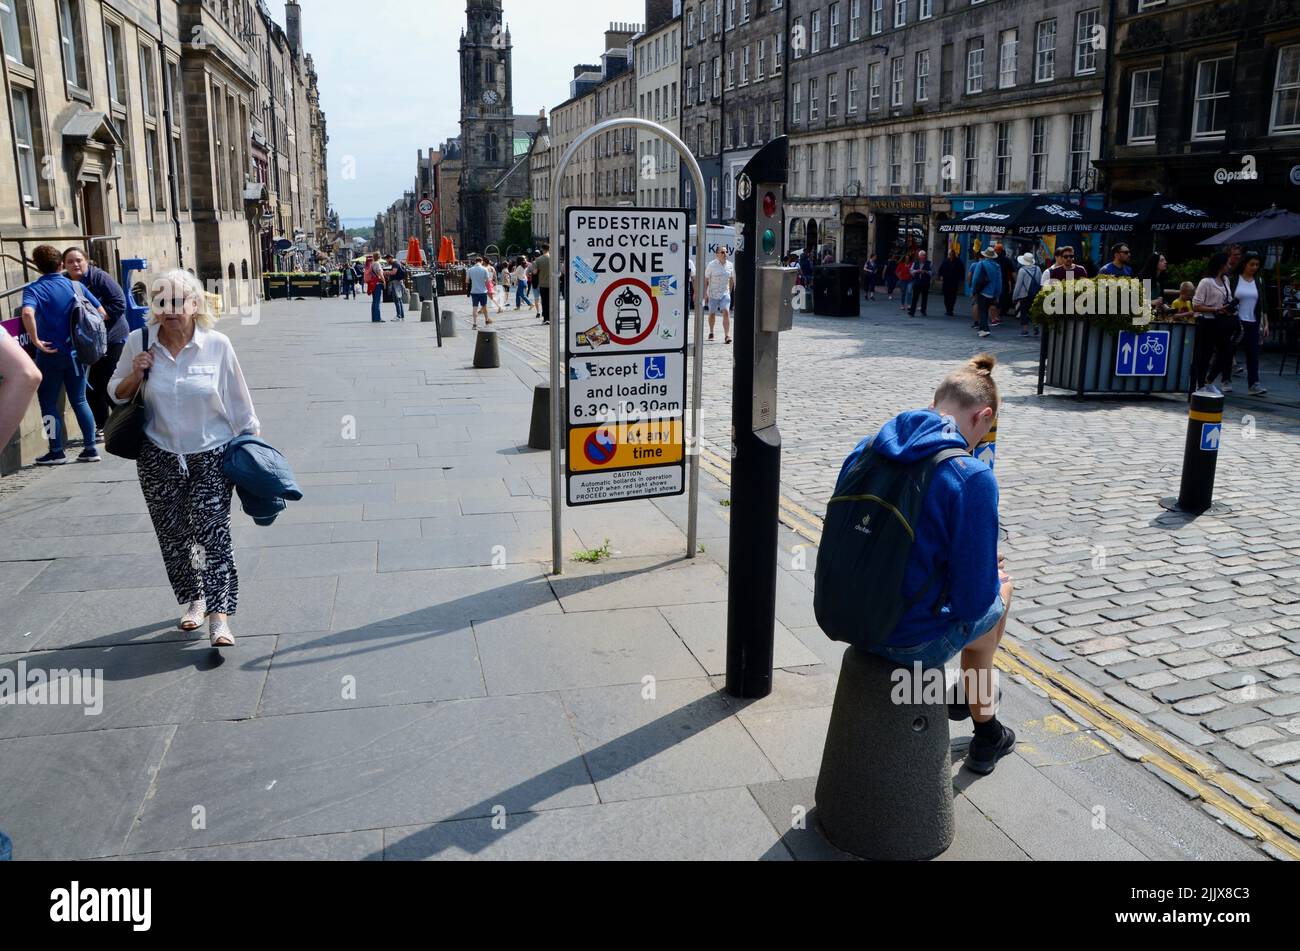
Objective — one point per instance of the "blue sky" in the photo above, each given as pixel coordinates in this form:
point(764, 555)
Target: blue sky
point(389, 78)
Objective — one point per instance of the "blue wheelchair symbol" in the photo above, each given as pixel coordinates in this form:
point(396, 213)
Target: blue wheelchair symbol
point(656, 368)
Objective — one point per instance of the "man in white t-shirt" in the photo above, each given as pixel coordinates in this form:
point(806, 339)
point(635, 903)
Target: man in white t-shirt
point(719, 284)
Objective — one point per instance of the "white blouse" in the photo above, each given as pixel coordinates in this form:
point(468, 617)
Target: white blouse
point(195, 401)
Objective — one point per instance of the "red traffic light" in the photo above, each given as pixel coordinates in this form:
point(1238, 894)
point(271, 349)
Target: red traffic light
point(769, 204)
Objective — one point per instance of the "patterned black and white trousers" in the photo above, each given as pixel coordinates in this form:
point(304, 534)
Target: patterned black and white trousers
point(189, 503)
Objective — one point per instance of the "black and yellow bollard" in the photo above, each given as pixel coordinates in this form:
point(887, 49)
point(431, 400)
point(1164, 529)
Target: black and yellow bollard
point(1201, 454)
point(987, 449)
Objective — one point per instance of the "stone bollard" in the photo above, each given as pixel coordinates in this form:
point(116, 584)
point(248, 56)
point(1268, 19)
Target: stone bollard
point(447, 324)
point(885, 786)
point(539, 432)
point(414, 301)
point(426, 312)
point(487, 355)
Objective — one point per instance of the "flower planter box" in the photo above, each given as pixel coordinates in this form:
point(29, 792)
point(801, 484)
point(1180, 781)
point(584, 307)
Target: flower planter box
point(275, 286)
point(1078, 355)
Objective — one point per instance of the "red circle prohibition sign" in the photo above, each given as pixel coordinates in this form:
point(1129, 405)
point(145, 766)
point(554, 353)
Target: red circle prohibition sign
point(644, 288)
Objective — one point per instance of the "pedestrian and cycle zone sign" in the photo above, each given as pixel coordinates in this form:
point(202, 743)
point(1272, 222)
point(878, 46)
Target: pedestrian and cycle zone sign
point(1142, 354)
point(626, 315)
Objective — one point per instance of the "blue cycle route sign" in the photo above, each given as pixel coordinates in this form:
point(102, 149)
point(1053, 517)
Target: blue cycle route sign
point(1142, 354)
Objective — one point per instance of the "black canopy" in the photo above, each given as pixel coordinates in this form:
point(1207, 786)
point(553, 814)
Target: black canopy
point(1038, 214)
point(1159, 213)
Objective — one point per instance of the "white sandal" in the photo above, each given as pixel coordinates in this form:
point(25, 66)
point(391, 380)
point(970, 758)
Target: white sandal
point(194, 616)
point(219, 634)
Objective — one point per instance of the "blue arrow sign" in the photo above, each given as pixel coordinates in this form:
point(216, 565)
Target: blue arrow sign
point(1211, 434)
point(1142, 354)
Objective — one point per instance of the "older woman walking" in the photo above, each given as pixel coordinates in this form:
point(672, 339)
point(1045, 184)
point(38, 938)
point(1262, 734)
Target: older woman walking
point(196, 402)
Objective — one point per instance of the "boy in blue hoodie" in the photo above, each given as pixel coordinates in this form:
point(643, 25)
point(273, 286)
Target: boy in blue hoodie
point(955, 551)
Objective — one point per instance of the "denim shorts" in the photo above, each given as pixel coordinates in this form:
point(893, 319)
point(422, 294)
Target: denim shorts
point(948, 645)
point(719, 304)
point(478, 300)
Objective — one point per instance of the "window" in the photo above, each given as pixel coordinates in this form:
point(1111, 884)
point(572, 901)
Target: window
point(690, 83)
point(776, 120)
point(970, 159)
point(900, 13)
point(947, 160)
point(744, 10)
point(895, 146)
point(814, 109)
point(796, 32)
point(1045, 52)
point(855, 19)
point(923, 76)
point(831, 149)
point(975, 66)
point(714, 133)
point(851, 92)
point(15, 22)
point(116, 64)
point(731, 69)
point(690, 26)
point(918, 163)
point(812, 170)
point(873, 86)
point(835, 25)
point(852, 154)
point(717, 76)
point(744, 66)
point(1038, 154)
point(925, 10)
point(796, 103)
point(713, 198)
point(1087, 40)
point(157, 188)
point(1286, 91)
point(125, 167)
point(871, 167)
point(762, 58)
point(1143, 101)
point(148, 92)
point(29, 183)
point(674, 100)
point(832, 95)
point(1002, 157)
point(896, 81)
point(1080, 146)
point(704, 20)
point(731, 14)
point(1008, 41)
point(1210, 114)
point(73, 43)
point(796, 153)
point(816, 38)
point(778, 47)
point(702, 86)
point(877, 16)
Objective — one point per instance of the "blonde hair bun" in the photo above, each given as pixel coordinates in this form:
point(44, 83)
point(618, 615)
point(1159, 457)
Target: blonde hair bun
point(984, 363)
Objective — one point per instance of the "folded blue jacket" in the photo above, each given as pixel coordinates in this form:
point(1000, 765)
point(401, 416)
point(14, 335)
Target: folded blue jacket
point(262, 478)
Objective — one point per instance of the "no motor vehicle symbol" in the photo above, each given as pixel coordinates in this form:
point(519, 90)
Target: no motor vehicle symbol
point(628, 300)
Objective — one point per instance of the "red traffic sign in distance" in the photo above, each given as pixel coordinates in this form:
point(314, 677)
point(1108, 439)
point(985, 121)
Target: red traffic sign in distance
point(425, 207)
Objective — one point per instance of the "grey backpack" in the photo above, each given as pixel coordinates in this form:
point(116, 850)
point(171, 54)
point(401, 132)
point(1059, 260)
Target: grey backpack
point(89, 335)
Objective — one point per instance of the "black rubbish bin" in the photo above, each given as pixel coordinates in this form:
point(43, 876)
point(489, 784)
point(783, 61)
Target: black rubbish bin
point(835, 290)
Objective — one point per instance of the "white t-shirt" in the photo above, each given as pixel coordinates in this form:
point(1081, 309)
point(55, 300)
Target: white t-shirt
point(1248, 298)
point(718, 277)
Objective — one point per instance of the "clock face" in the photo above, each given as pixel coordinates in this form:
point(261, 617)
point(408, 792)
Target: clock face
point(490, 97)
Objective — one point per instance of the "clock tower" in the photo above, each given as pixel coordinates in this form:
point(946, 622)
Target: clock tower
point(486, 124)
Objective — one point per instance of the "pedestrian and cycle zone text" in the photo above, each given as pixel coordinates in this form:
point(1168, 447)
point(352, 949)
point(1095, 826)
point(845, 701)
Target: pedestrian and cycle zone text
point(625, 331)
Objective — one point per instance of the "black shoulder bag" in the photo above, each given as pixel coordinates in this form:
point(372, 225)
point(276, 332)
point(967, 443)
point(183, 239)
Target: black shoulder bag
point(124, 431)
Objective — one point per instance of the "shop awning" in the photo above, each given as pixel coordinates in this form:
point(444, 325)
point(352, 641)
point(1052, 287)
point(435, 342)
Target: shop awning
point(1159, 213)
point(1037, 214)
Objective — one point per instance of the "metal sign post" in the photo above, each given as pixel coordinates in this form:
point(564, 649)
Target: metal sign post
point(558, 414)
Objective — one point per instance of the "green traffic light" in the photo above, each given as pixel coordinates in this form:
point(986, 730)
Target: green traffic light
point(769, 241)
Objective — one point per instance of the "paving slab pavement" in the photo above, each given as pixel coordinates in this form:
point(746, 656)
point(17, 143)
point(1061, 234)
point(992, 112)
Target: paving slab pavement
point(412, 683)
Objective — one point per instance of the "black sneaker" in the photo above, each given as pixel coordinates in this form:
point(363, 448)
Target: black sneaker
point(89, 455)
point(52, 459)
point(983, 756)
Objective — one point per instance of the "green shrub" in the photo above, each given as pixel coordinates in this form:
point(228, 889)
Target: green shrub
point(1100, 300)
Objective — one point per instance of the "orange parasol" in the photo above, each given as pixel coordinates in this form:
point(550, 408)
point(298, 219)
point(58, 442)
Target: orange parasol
point(447, 252)
point(414, 255)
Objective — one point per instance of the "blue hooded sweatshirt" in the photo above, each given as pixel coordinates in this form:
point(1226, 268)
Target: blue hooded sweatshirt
point(957, 536)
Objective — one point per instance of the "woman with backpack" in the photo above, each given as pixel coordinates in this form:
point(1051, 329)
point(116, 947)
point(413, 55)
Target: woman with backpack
point(1029, 281)
point(195, 403)
point(48, 313)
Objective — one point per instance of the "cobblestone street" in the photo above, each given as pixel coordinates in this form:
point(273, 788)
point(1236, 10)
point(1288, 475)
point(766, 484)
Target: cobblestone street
point(1189, 628)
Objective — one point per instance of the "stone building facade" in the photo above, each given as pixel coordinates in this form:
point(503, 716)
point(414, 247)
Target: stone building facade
point(136, 127)
point(656, 54)
point(904, 113)
point(1204, 105)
